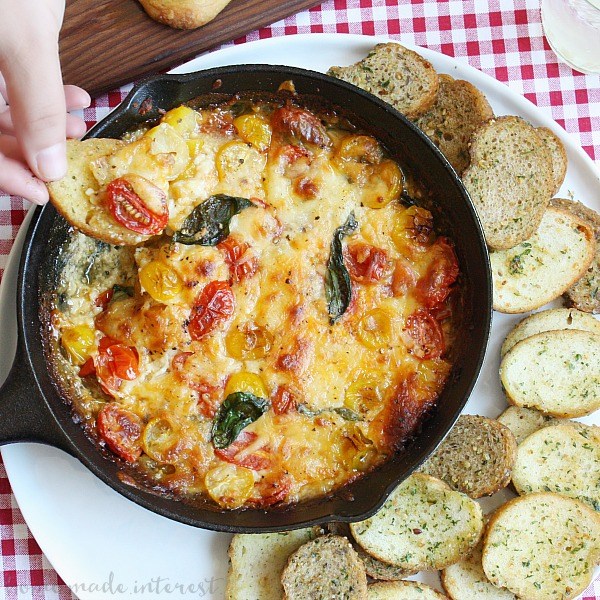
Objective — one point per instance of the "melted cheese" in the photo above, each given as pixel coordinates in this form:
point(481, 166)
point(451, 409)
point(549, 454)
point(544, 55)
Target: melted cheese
point(328, 437)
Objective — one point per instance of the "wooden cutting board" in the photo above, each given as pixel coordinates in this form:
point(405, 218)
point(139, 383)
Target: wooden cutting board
point(107, 43)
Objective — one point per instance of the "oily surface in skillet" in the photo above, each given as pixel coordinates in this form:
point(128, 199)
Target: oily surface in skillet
point(293, 352)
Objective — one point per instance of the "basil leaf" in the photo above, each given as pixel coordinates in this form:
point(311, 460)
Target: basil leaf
point(346, 413)
point(238, 411)
point(208, 223)
point(338, 289)
point(121, 291)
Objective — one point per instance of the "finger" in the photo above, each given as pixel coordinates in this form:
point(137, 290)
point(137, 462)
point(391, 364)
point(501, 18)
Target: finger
point(3, 104)
point(17, 180)
point(37, 103)
point(75, 127)
point(76, 97)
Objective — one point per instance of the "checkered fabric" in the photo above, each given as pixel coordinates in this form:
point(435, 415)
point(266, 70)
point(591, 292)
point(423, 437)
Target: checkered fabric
point(503, 38)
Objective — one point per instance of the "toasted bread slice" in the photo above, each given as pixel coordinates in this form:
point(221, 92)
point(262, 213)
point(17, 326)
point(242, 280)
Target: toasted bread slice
point(555, 372)
point(423, 525)
point(395, 74)
point(585, 293)
point(476, 457)
point(558, 154)
point(542, 546)
point(79, 198)
point(510, 180)
point(403, 590)
point(561, 459)
point(184, 14)
point(326, 567)
point(257, 561)
point(524, 421)
point(450, 123)
point(465, 580)
point(376, 569)
point(548, 320)
point(543, 267)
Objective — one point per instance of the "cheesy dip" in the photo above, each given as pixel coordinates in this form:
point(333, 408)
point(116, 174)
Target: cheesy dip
point(285, 326)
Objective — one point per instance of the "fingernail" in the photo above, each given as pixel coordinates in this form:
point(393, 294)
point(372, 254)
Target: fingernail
point(52, 162)
point(36, 192)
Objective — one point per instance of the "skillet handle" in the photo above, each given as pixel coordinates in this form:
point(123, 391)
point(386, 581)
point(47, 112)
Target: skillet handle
point(24, 416)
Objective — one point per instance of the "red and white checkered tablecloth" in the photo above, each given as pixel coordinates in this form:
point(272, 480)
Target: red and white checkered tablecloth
point(503, 38)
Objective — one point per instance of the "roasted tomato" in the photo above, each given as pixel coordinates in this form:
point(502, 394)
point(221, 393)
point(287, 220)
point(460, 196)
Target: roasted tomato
point(426, 334)
point(283, 401)
point(229, 485)
point(114, 363)
point(234, 453)
point(121, 430)
point(137, 204)
point(242, 264)
point(301, 124)
point(273, 490)
point(366, 263)
point(434, 287)
point(214, 305)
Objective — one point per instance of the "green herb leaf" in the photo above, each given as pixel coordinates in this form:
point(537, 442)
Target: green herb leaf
point(338, 289)
point(208, 223)
point(346, 413)
point(238, 411)
point(121, 291)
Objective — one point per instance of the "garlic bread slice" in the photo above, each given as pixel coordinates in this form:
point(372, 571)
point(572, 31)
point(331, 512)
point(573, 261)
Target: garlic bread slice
point(542, 546)
point(403, 590)
point(557, 372)
point(548, 320)
point(524, 421)
point(541, 268)
point(422, 525)
point(561, 459)
point(256, 562)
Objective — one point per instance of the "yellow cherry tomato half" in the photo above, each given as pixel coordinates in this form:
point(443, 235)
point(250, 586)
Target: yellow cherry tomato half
point(78, 343)
point(383, 185)
point(364, 394)
point(412, 230)
point(182, 119)
point(229, 485)
point(246, 382)
point(248, 343)
point(374, 329)
point(255, 130)
point(159, 440)
point(160, 281)
point(231, 156)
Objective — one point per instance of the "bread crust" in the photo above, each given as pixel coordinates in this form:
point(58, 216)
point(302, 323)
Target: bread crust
point(184, 14)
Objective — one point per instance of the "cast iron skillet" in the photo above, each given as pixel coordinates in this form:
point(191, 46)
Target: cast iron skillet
point(32, 410)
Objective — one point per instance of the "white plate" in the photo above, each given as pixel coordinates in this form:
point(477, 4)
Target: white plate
point(105, 546)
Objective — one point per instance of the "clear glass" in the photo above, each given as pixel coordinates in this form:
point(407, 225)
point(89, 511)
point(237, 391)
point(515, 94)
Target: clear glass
point(572, 28)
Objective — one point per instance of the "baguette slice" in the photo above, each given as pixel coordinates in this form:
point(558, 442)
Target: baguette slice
point(423, 525)
point(403, 590)
point(184, 14)
point(558, 155)
point(525, 421)
point(561, 459)
point(557, 372)
point(543, 267)
point(476, 458)
point(376, 569)
point(585, 293)
point(510, 180)
point(548, 320)
point(77, 196)
point(257, 561)
point(459, 110)
point(326, 567)
point(465, 580)
point(395, 74)
point(542, 546)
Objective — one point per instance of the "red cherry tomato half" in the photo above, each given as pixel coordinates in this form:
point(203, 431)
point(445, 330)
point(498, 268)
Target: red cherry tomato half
point(115, 362)
point(103, 300)
point(234, 453)
point(434, 287)
point(283, 401)
point(366, 263)
point(300, 123)
point(273, 492)
point(87, 368)
point(426, 334)
point(214, 305)
point(121, 430)
point(242, 266)
point(129, 209)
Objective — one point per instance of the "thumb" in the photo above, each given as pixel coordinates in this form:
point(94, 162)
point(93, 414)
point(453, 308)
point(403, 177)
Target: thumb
point(37, 103)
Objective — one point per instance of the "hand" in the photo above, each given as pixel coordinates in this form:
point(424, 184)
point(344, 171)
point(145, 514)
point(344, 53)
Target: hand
point(33, 103)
